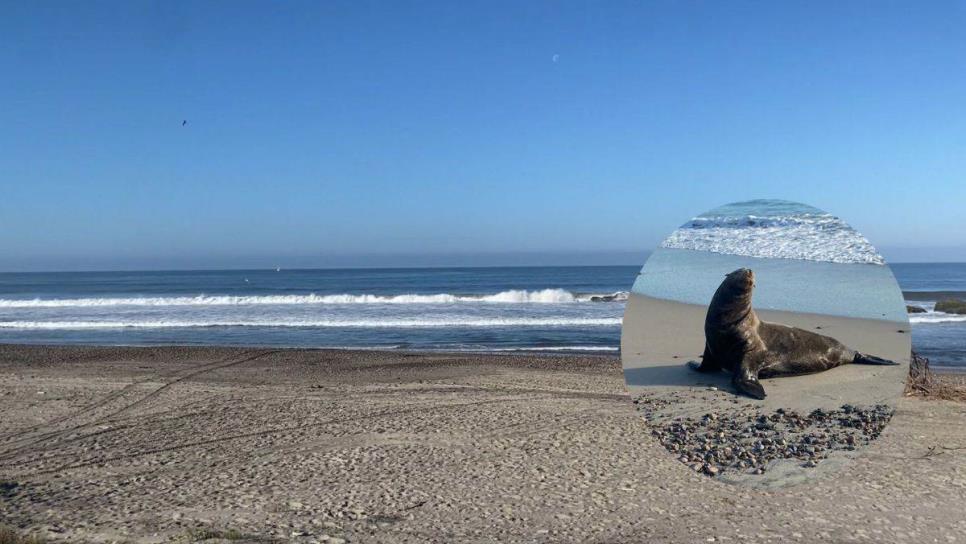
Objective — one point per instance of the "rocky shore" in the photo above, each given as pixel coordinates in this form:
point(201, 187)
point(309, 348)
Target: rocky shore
point(951, 306)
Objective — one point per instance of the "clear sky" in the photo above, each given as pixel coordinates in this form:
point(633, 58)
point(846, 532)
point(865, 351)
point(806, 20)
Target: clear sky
point(343, 133)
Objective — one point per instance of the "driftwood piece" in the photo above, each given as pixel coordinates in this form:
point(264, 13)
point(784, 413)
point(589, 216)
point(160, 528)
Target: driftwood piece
point(920, 377)
point(924, 382)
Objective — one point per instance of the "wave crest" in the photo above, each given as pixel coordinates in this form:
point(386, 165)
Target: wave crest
point(323, 323)
point(545, 296)
point(936, 317)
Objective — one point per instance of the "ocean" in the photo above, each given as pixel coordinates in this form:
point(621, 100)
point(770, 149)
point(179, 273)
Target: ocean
point(939, 336)
point(804, 259)
point(555, 309)
point(471, 309)
point(807, 260)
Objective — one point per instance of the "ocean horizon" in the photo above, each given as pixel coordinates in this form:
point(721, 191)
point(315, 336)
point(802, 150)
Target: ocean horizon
point(189, 269)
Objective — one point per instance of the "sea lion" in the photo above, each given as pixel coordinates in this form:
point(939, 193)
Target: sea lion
point(737, 341)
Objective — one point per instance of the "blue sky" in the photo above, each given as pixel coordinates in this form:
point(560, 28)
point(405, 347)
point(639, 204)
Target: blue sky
point(342, 133)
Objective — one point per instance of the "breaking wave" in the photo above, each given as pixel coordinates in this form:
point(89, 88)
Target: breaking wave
point(467, 322)
point(560, 348)
point(545, 296)
point(936, 317)
point(775, 230)
point(931, 316)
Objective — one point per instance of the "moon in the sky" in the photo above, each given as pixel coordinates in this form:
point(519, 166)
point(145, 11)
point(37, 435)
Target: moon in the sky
point(555, 57)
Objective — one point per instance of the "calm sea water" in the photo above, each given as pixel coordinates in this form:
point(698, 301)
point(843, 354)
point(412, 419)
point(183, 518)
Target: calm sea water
point(538, 308)
point(843, 289)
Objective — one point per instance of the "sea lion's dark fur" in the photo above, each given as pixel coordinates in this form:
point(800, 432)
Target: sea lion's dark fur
point(737, 341)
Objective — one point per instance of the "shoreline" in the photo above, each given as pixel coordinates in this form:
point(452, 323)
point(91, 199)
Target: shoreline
point(610, 352)
point(776, 315)
point(857, 290)
point(606, 351)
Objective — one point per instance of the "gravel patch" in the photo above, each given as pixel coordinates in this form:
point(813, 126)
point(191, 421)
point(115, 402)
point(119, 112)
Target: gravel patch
point(751, 441)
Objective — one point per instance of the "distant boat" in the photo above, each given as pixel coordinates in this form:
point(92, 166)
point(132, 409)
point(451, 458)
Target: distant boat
point(278, 269)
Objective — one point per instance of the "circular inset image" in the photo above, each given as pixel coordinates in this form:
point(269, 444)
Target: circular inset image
point(765, 342)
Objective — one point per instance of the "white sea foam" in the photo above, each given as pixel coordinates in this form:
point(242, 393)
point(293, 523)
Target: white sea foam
point(480, 349)
point(931, 316)
point(560, 348)
point(807, 235)
point(467, 322)
point(545, 296)
point(928, 305)
point(936, 317)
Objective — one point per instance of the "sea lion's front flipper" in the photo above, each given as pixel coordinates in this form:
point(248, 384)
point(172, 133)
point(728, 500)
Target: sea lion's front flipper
point(863, 359)
point(746, 378)
point(750, 386)
point(707, 364)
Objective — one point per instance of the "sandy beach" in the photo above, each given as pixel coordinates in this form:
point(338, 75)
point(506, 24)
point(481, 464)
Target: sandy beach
point(660, 336)
point(180, 444)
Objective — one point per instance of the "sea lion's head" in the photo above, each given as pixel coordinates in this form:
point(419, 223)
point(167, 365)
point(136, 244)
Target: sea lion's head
point(741, 281)
point(732, 300)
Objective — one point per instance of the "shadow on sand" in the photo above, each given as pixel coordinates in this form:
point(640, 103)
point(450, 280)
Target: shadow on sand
point(675, 375)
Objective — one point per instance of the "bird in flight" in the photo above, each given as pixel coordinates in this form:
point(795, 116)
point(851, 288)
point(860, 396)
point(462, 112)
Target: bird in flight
point(185, 122)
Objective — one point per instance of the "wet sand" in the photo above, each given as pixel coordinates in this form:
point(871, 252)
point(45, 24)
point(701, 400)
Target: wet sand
point(155, 445)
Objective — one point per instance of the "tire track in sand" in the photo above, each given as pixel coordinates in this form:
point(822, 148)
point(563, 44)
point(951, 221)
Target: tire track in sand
point(18, 448)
